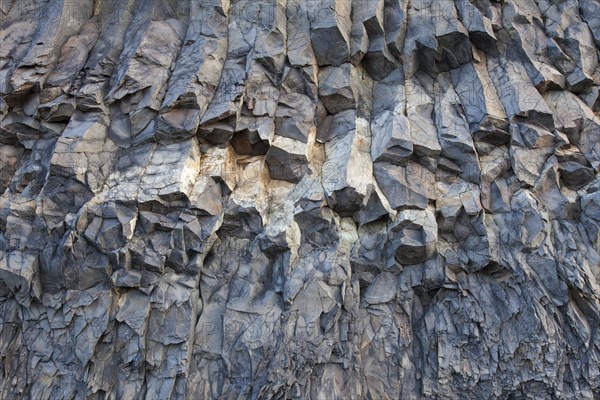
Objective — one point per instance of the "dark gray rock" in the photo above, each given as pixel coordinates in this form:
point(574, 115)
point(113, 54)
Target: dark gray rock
point(414, 235)
point(299, 199)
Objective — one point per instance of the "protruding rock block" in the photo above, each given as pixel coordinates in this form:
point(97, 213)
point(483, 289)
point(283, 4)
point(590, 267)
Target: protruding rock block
point(419, 111)
point(287, 160)
point(346, 187)
point(391, 134)
point(395, 24)
point(518, 95)
point(531, 147)
point(405, 186)
point(579, 123)
point(575, 170)
point(338, 88)
point(85, 151)
point(481, 31)
point(482, 107)
point(414, 235)
point(454, 135)
point(19, 274)
point(253, 136)
point(330, 27)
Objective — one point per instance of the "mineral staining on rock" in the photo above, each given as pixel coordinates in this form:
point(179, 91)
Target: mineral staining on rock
point(318, 199)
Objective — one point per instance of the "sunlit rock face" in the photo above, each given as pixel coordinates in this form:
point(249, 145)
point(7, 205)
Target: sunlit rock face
point(299, 199)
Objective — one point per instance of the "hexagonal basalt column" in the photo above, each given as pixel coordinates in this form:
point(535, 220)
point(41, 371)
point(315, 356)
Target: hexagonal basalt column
point(414, 235)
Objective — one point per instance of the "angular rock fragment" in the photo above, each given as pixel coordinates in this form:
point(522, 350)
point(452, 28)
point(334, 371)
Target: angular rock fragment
point(330, 26)
point(18, 273)
point(414, 235)
point(391, 140)
point(454, 135)
point(518, 95)
point(337, 88)
point(395, 25)
point(347, 187)
point(483, 110)
point(578, 122)
point(405, 186)
point(479, 25)
point(368, 19)
point(419, 111)
point(85, 151)
point(59, 23)
point(530, 149)
point(287, 160)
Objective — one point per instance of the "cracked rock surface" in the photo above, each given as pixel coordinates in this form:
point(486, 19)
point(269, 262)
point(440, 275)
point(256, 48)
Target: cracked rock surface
point(300, 199)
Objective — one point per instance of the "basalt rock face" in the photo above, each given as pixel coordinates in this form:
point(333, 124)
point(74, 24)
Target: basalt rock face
point(315, 199)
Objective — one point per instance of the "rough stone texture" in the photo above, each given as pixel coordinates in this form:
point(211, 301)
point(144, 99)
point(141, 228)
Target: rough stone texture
point(312, 199)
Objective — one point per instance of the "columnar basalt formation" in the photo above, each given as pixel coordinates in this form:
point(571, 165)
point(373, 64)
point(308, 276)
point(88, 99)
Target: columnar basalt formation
point(314, 199)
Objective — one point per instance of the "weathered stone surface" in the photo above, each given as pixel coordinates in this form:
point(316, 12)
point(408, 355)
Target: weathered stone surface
point(330, 25)
point(300, 199)
point(414, 235)
point(482, 107)
point(287, 160)
point(391, 141)
point(337, 88)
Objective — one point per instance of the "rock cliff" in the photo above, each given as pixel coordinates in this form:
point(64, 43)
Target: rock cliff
point(313, 199)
